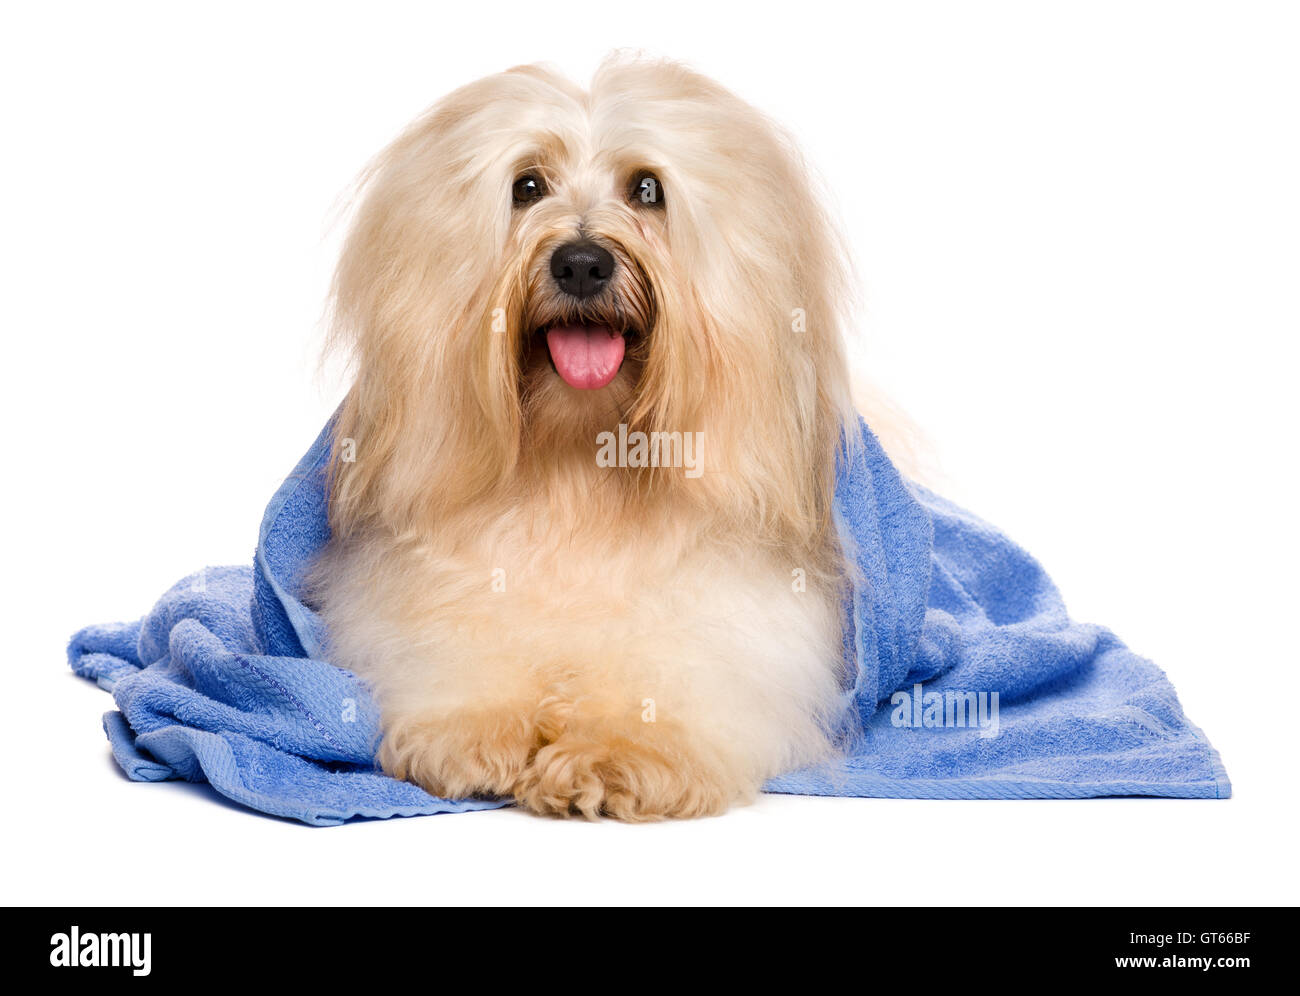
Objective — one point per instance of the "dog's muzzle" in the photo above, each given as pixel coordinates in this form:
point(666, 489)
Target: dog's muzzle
point(587, 353)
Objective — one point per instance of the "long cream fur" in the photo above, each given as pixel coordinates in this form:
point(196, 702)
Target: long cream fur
point(633, 642)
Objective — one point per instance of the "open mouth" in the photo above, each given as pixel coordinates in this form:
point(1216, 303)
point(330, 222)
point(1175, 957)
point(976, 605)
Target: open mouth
point(587, 356)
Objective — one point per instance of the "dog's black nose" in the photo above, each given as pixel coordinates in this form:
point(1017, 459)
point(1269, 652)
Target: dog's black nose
point(581, 268)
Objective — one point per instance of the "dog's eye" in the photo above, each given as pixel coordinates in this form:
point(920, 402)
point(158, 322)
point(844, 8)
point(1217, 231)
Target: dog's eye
point(529, 188)
point(648, 190)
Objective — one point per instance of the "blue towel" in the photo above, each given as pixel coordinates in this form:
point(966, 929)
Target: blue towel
point(972, 682)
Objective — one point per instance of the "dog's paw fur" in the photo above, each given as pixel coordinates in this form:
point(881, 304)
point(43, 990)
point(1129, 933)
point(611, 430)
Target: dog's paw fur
point(554, 767)
point(464, 754)
point(581, 774)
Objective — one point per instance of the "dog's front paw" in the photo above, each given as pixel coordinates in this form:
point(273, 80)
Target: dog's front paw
point(622, 778)
point(461, 754)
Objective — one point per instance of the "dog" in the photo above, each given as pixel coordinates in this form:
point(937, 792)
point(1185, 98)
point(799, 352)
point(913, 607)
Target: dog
point(583, 545)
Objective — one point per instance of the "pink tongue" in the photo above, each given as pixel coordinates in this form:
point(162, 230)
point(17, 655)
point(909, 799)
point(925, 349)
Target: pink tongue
point(586, 356)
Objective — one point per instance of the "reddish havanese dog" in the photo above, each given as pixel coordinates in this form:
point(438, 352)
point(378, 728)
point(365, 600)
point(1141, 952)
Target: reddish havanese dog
point(583, 541)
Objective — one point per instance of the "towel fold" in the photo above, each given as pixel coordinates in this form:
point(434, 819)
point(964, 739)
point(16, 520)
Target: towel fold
point(971, 681)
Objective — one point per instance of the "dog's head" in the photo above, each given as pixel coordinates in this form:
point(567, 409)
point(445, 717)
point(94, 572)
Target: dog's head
point(533, 265)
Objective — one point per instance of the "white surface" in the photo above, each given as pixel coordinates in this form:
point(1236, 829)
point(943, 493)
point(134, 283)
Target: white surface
point(1076, 226)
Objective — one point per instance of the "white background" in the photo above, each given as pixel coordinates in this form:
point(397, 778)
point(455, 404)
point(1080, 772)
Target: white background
point(1077, 232)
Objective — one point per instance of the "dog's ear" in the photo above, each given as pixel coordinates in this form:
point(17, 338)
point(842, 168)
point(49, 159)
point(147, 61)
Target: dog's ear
point(423, 297)
point(750, 344)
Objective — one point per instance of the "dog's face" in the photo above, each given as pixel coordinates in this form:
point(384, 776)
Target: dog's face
point(534, 264)
point(588, 232)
